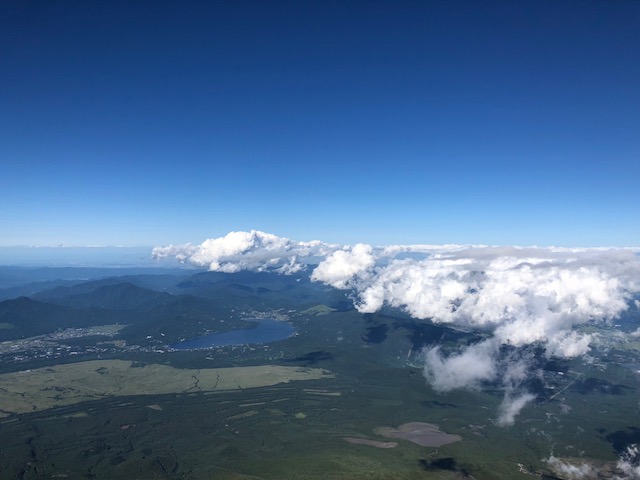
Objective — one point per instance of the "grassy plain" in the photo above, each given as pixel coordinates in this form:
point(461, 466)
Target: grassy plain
point(60, 385)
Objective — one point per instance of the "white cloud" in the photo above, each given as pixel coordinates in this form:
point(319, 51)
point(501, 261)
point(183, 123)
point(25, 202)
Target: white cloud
point(517, 371)
point(570, 471)
point(340, 268)
point(568, 344)
point(629, 464)
point(254, 250)
point(511, 406)
point(466, 369)
point(521, 295)
point(626, 468)
point(181, 253)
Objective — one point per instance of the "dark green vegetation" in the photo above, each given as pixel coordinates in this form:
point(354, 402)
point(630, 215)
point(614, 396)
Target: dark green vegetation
point(583, 412)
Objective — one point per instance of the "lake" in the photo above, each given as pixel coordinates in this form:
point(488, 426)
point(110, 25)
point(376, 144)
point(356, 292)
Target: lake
point(266, 331)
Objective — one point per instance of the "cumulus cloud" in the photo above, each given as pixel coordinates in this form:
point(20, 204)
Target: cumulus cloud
point(517, 296)
point(511, 406)
point(340, 268)
point(626, 468)
point(521, 295)
point(482, 362)
point(181, 253)
point(518, 369)
point(629, 464)
point(571, 471)
point(254, 250)
point(465, 369)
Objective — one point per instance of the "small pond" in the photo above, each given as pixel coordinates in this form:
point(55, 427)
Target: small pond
point(266, 331)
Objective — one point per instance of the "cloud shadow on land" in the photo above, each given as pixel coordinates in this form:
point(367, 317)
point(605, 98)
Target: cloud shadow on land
point(621, 439)
point(448, 464)
point(376, 334)
point(311, 358)
point(593, 385)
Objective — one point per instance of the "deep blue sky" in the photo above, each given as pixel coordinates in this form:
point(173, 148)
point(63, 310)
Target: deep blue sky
point(148, 123)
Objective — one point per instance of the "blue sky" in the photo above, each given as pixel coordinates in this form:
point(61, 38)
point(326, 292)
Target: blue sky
point(149, 123)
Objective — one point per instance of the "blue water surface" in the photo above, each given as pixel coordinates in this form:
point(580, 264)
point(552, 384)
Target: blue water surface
point(266, 331)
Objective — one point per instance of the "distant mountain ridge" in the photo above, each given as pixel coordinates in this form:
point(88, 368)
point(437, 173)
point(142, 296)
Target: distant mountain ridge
point(31, 317)
point(116, 296)
point(164, 307)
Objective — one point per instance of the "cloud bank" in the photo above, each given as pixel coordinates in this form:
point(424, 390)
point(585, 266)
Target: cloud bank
point(518, 296)
point(521, 295)
point(626, 468)
point(254, 250)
